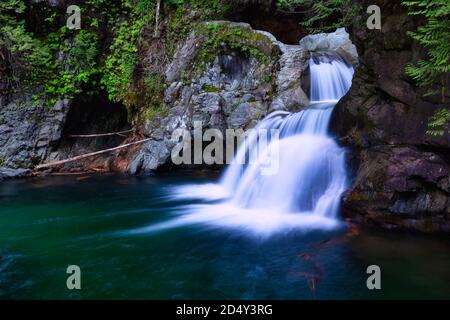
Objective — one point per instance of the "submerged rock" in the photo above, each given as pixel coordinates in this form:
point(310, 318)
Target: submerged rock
point(8, 173)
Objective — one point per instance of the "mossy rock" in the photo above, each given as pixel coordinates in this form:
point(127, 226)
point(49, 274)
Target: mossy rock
point(217, 35)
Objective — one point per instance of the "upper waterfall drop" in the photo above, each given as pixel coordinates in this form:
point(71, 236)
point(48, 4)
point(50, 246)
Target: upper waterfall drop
point(331, 78)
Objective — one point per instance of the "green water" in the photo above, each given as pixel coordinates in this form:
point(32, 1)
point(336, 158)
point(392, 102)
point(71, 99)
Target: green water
point(47, 224)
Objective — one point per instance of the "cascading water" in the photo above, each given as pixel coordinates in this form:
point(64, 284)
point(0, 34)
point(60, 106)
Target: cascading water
point(311, 175)
point(305, 189)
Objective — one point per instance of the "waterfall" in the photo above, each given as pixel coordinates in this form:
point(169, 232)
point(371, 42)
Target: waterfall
point(311, 174)
point(304, 191)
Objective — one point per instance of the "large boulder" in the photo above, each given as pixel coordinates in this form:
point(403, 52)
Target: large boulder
point(29, 132)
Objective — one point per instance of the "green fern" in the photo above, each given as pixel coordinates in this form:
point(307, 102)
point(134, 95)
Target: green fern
point(438, 125)
point(434, 71)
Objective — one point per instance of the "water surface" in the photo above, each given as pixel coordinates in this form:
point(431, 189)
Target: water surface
point(47, 224)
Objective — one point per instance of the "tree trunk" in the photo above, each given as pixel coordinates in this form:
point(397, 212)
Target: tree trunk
point(158, 8)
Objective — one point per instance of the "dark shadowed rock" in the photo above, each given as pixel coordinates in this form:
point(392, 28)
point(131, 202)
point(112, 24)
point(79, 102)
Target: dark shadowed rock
point(29, 132)
point(401, 174)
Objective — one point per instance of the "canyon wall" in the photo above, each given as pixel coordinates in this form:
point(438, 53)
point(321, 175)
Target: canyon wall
point(400, 173)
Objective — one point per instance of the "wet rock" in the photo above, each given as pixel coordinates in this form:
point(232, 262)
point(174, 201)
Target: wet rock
point(183, 58)
point(290, 95)
point(338, 41)
point(29, 132)
point(244, 114)
point(149, 158)
point(8, 173)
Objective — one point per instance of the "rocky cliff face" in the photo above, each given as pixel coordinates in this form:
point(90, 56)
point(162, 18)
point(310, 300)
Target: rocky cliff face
point(29, 134)
point(224, 75)
point(246, 74)
point(401, 174)
point(232, 87)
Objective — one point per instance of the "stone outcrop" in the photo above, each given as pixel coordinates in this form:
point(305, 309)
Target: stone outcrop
point(338, 42)
point(238, 87)
point(234, 90)
point(29, 133)
point(400, 173)
point(290, 95)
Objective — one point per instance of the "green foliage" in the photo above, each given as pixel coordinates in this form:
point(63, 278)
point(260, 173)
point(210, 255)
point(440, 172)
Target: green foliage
point(267, 78)
point(439, 124)
point(126, 23)
point(77, 66)
point(175, 2)
point(210, 89)
point(211, 8)
point(24, 60)
point(10, 10)
point(154, 90)
point(435, 36)
point(184, 16)
point(153, 94)
point(62, 63)
point(219, 36)
point(119, 65)
point(66, 62)
point(322, 15)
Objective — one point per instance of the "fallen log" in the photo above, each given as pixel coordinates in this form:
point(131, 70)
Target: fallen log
point(120, 133)
point(57, 163)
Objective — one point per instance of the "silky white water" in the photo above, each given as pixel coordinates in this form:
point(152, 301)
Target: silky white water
point(307, 176)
